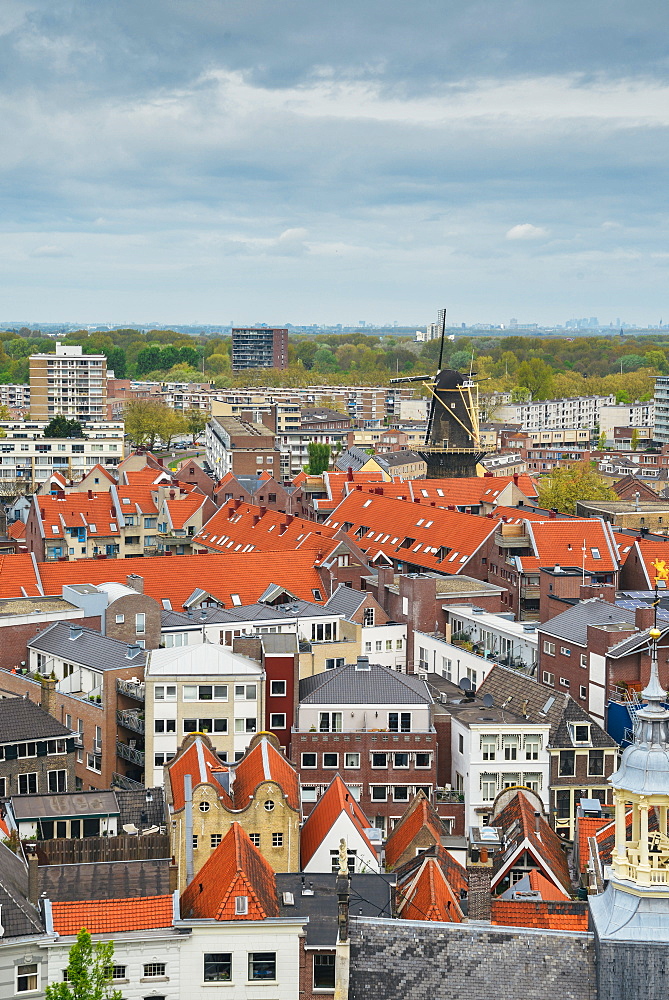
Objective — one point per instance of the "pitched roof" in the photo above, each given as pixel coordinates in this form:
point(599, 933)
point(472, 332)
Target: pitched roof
point(349, 685)
point(455, 874)
point(137, 499)
point(572, 624)
point(77, 510)
point(563, 915)
point(265, 763)
point(105, 880)
point(517, 821)
point(247, 528)
point(19, 576)
point(626, 487)
point(429, 896)
point(112, 916)
point(235, 868)
point(420, 815)
point(198, 760)
point(22, 719)
point(335, 800)
point(19, 916)
point(586, 827)
point(17, 531)
point(560, 542)
point(649, 551)
point(419, 534)
point(86, 646)
point(182, 508)
point(345, 601)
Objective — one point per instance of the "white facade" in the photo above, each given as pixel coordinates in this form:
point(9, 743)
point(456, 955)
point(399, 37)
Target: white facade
point(25, 454)
point(326, 857)
point(360, 719)
point(434, 655)
point(70, 383)
point(496, 636)
point(546, 414)
point(488, 757)
point(385, 644)
point(634, 415)
point(196, 689)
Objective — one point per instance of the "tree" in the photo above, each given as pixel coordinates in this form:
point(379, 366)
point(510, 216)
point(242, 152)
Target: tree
point(563, 488)
point(89, 972)
point(635, 439)
point(172, 423)
point(145, 419)
point(196, 421)
point(61, 427)
point(319, 458)
point(148, 360)
point(601, 441)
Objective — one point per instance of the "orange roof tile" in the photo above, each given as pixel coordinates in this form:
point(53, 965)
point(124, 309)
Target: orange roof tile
point(201, 763)
point(548, 890)
point(647, 552)
point(146, 476)
point(587, 826)
point(246, 527)
point(78, 510)
point(112, 916)
point(429, 896)
point(419, 815)
point(552, 915)
point(335, 800)
point(19, 576)
point(183, 508)
point(517, 820)
point(235, 868)
point(558, 542)
point(247, 574)
point(17, 531)
point(418, 534)
point(137, 499)
point(265, 763)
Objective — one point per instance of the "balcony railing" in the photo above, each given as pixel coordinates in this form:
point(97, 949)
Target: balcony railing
point(130, 753)
point(130, 719)
point(133, 689)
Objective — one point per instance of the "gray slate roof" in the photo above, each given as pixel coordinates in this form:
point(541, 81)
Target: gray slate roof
point(133, 807)
point(19, 917)
point(63, 805)
point(392, 458)
point(345, 601)
point(90, 648)
point(371, 896)
point(572, 624)
point(377, 686)
point(21, 719)
point(353, 458)
point(105, 880)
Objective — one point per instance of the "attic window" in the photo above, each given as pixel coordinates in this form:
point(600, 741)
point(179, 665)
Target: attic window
point(429, 524)
point(366, 503)
point(595, 554)
point(580, 732)
point(113, 526)
point(125, 500)
point(93, 528)
point(317, 594)
point(167, 604)
point(236, 599)
point(440, 493)
point(54, 528)
point(425, 493)
point(418, 523)
point(241, 906)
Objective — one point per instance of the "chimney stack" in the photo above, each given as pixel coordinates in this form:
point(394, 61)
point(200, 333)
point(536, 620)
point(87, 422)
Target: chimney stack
point(33, 873)
point(48, 695)
point(135, 582)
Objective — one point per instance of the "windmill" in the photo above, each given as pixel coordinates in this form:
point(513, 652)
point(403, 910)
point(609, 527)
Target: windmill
point(452, 441)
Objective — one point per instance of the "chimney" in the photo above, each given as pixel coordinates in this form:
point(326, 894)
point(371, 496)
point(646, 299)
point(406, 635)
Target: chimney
point(537, 822)
point(174, 876)
point(135, 582)
point(75, 631)
point(33, 873)
point(479, 874)
point(515, 478)
point(349, 474)
point(133, 649)
point(48, 695)
point(90, 494)
point(552, 514)
point(172, 494)
point(643, 618)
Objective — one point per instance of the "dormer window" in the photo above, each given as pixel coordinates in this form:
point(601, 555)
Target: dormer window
point(580, 733)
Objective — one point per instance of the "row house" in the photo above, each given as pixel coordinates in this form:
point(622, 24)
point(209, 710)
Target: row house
point(373, 727)
point(260, 490)
point(335, 819)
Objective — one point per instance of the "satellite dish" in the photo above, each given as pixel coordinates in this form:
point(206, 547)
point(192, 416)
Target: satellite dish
point(465, 684)
point(488, 700)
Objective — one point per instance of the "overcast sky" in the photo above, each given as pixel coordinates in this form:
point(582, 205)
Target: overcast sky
point(333, 160)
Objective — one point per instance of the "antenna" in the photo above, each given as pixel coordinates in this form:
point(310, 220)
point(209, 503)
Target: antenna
point(465, 685)
point(488, 700)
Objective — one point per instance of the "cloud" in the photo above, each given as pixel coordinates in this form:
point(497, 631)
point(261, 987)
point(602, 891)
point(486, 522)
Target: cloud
point(50, 250)
point(526, 231)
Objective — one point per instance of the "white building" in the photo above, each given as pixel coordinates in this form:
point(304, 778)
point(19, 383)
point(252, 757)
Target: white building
point(27, 456)
point(625, 415)
point(200, 688)
point(68, 383)
point(547, 414)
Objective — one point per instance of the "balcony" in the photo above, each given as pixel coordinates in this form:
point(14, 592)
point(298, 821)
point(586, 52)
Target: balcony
point(131, 719)
point(132, 689)
point(130, 753)
point(512, 536)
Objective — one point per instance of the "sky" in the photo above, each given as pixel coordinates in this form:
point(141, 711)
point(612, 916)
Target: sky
point(304, 161)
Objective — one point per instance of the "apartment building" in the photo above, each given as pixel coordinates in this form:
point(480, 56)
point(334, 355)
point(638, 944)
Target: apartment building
point(549, 414)
point(242, 447)
point(16, 398)
point(259, 347)
point(28, 459)
point(70, 383)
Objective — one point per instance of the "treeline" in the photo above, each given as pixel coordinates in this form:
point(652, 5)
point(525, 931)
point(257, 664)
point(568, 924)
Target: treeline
point(539, 367)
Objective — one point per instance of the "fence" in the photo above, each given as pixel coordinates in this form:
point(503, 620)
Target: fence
point(65, 851)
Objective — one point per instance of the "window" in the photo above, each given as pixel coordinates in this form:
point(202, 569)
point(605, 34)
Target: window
point(206, 725)
point(205, 692)
point(28, 783)
point(277, 721)
point(262, 965)
point(255, 839)
point(368, 616)
point(245, 725)
point(120, 619)
point(324, 972)
point(423, 759)
point(338, 661)
point(398, 643)
point(352, 760)
point(563, 804)
point(278, 689)
point(564, 682)
point(309, 760)
point(532, 747)
point(164, 725)
point(379, 760)
point(580, 733)
point(584, 660)
point(26, 978)
point(565, 650)
point(165, 692)
point(596, 762)
point(217, 967)
point(330, 760)
point(532, 781)
point(549, 647)
point(204, 807)
point(510, 747)
point(566, 763)
point(215, 839)
point(548, 678)
point(379, 793)
point(400, 759)
point(118, 972)
point(277, 840)
point(595, 552)
point(368, 647)
point(400, 793)
point(154, 970)
point(246, 692)
point(583, 692)
point(330, 722)
point(488, 787)
point(389, 644)
point(269, 806)
point(399, 722)
point(489, 747)
point(57, 781)
point(241, 906)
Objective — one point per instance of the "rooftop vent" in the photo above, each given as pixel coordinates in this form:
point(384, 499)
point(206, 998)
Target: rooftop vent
point(362, 663)
point(76, 631)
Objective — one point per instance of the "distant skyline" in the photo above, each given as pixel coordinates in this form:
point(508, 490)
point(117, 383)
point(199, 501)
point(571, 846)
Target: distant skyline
point(191, 163)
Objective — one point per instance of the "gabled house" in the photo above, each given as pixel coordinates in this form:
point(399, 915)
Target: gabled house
point(428, 895)
point(37, 753)
point(416, 831)
point(336, 817)
point(530, 844)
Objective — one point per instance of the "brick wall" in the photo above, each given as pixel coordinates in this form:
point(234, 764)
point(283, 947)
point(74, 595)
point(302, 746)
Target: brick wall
point(13, 640)
point(129, 607)
point(433, 961)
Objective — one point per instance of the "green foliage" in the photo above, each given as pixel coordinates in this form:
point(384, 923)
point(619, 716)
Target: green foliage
point(88, 972)
point(635, 439)
point(147, 420)
point(61, 427)
point(319, 458)
point(563, 488)
point(195, 422)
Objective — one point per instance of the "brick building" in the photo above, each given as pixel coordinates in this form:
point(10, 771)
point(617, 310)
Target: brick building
point(37, 755)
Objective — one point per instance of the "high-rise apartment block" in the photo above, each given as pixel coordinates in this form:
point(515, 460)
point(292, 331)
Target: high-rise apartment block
point(259, 347)
point(661, 434)
point(70, 383)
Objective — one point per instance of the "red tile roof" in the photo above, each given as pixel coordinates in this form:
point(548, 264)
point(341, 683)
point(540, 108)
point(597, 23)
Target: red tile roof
point(558, 542)
point(181, 509)
point(429, 896)
point(245, 527)
point(247, 574)
point(587, 826)
point(420, 815)
point(552, 915)
point(235, 868)
point(265, 763)
point(379, 524)
point(112, 916)
point(335, 800)
point(517, 821)
point(19, 576)
point(145, 476)
point(78, 510)
point(201, 763)
point(17, 531)
point(548, 890)
point(139, 499)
